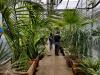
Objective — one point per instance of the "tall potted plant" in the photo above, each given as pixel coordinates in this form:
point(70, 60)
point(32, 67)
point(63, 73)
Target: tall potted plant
point(26, 41)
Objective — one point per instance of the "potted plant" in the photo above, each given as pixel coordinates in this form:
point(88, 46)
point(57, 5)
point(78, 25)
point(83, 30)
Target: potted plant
point(75, 40)
point(25, 36)
point(24, 66)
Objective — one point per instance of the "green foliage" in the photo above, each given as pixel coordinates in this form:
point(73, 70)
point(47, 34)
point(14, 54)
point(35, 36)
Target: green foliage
point(2, 2)
point(81, 42)
point(77, 42)
point(74, 20)
point(22, 64)
point(90, 66)
point(55, 22)
point(25, 36)
point(70, 16)
point(74, 38)
point(4, 52)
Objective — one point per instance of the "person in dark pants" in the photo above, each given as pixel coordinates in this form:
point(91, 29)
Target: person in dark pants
point(51, 40)
point(58, 47)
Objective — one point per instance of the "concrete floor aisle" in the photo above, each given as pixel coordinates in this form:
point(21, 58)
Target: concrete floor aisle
point(53, 65)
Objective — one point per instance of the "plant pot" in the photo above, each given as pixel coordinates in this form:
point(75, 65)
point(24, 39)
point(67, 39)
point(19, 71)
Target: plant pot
point(74, 68)
point(41, 57)
point(31, 69)
point(74, 65)
point(81, 73)
point(77, 71)
point(69, 60)
point(4, 67)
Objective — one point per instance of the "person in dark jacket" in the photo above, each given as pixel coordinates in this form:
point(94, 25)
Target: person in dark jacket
point(50, 40)
point(58, 47)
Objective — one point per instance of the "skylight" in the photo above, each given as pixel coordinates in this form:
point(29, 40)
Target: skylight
point(62, 5)
point(71, 4)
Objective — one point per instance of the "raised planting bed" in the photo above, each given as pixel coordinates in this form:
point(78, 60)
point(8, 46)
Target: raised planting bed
point(70, 59)
point(31, 69)
point(74, 66)
point(78, 71)
point(5, 66)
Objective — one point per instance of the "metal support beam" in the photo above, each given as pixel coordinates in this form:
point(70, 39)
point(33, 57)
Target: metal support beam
point(67, 4)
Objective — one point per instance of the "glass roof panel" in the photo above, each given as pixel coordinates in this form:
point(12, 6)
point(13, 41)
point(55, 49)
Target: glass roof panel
point(63, 4)
point(71, 4)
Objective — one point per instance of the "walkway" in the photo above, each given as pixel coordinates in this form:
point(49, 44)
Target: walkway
point(53, 65)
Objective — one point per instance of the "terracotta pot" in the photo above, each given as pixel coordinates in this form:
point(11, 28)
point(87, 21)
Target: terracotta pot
point(81, 73)
point(68, 61)
point(74, 66)
point(41, 57)
point(77, 71)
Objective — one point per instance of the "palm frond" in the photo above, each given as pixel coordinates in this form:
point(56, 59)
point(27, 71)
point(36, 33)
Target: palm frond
point(4, 52)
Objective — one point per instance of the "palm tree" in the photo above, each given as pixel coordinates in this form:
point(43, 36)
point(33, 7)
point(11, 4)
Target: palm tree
point(72, 34)
point(79, 39)
point(25, 21)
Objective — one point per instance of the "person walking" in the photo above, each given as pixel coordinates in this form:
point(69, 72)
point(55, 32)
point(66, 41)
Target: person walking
point(58, 47)
point(50, 41)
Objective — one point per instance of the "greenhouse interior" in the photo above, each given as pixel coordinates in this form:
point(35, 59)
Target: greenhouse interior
point(49, 37)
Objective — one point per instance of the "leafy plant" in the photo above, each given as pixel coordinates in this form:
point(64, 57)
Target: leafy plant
point(78, 42)
point(4, 52)
point(25, 34)
point(74, 37)
point(22, 64)
point(74, 20)
point(90, 66)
